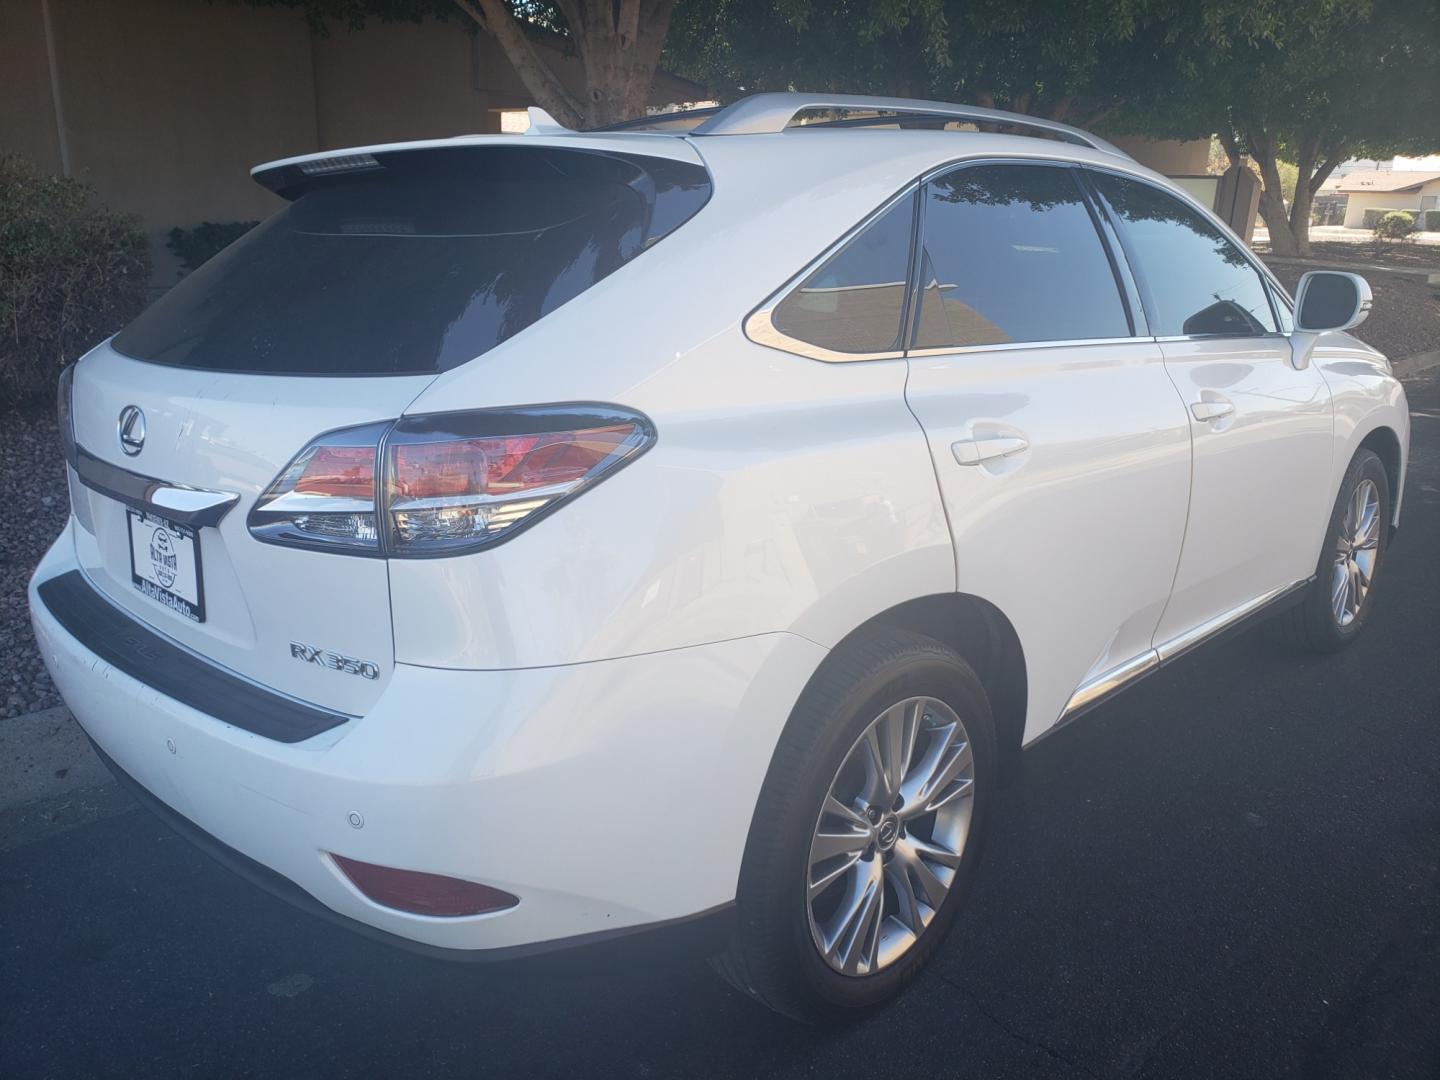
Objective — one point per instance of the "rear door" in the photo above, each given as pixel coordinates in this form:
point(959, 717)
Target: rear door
point(1262, 430)
point(1061, 446)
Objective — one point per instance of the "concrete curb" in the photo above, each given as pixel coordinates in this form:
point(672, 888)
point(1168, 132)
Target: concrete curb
point(1420, 273)
point(1409, 367)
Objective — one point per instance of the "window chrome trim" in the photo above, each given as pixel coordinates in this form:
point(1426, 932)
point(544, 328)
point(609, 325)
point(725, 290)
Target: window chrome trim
point(759, 326)
point(1018, 346)
point(1276, 335)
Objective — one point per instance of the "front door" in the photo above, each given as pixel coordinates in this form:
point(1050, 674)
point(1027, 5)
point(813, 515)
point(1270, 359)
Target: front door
point(1260, 492)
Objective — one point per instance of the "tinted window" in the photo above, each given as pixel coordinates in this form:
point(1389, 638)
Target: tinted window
point(1012, 255)
point(1195, 279)
point(419, 264)
point(854, 302)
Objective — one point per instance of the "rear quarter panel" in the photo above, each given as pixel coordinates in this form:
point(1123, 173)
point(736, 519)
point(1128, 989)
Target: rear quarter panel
point(782, 493)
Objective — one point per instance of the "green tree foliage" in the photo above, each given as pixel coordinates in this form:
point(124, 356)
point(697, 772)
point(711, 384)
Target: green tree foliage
point(1308, 82)
point(1078, 60)
point(71, 273)
point(1329, 80)
point(617, 42)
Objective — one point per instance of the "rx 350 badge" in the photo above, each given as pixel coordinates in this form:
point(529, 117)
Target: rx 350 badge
point(313, 654)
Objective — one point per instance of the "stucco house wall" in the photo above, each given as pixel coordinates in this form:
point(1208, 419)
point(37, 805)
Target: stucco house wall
point(1360, 201)
point(165, 105)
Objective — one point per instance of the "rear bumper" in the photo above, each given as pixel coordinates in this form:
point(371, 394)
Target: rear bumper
point(607, 796)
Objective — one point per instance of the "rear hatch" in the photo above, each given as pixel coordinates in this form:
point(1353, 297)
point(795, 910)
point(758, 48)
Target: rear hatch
point(387, 268)
point(249, 600)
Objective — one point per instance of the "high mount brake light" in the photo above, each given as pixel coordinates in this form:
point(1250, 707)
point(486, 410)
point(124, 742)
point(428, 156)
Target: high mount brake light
point(448, 482)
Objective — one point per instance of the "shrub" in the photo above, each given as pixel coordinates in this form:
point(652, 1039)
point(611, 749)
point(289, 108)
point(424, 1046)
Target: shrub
point(1394, 228)
point(71, 274)
point(196, 246)
point(1431, 219)
point(1372, 216)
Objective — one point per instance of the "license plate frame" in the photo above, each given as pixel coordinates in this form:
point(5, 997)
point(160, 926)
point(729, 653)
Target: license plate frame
point(168, 568)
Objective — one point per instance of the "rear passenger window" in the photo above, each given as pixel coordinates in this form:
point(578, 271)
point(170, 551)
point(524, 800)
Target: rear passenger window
point(1012, 255)
point(854, 302)
point(1196, 281)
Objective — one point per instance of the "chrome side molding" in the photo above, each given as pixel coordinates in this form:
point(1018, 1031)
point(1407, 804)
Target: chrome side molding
point(1106, 685)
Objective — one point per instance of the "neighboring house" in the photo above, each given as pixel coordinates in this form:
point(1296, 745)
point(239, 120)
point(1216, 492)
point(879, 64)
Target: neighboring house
point(164, 105)
point(1385, 190)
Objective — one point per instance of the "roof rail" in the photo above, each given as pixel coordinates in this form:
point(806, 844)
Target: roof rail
point(763, 114)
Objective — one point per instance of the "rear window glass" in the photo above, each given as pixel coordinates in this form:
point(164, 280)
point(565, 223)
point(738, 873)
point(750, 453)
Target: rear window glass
point(418, 264)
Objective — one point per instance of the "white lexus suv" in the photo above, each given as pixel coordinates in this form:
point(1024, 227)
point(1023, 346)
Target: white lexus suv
point(517, 542)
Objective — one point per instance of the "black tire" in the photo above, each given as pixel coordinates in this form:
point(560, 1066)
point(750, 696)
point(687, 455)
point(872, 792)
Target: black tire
point(1311, 626)
point(772, 956)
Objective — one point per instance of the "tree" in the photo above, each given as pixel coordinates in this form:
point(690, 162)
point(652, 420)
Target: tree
point(1327, 82)
point(1082, 61)
point(617, 42)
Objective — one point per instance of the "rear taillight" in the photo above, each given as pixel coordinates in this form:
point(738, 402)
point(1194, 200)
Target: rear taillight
point(447, 482)
point(325, 498)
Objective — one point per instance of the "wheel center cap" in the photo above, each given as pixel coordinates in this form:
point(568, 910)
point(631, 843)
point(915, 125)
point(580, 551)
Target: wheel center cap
point(887, 832)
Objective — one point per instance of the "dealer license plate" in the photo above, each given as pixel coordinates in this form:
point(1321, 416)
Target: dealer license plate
point(165, 564)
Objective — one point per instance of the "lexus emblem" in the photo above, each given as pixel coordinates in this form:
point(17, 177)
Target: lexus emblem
point(132, 430)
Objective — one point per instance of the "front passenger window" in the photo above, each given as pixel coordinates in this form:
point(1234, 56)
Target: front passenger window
point(1196, 280)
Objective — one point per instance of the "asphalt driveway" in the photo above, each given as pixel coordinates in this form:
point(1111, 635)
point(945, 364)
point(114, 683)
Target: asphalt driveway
point(1232, 870)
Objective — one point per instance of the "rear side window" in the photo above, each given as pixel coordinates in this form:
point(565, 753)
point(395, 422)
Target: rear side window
point(418, 263)
point(1012, 255)
point(1196, 281)
point(855, 301)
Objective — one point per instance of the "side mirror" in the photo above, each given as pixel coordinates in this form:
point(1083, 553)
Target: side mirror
point(1326, 300)
point(1330, 300)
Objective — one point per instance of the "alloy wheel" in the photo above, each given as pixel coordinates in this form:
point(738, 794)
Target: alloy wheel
point(890, 836)
point(1357, 546)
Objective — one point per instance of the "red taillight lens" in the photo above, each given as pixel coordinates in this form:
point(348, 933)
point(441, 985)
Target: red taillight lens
point(339, 471)
point(325, 498)
point(501, 466)
point(423, 894)
point(451, 485)
point(450, 482)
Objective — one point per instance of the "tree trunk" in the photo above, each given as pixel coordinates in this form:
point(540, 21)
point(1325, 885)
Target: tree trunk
point(1319, 164)
point(1272, 204)
point(618, 43)
point(544, 85)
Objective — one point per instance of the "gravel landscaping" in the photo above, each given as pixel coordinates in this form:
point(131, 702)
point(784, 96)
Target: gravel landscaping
point(36, 506)
point(1405, 319)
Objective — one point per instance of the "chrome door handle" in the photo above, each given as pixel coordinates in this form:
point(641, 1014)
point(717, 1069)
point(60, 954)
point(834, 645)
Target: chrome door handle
point(975, 451)
point(1211, 410)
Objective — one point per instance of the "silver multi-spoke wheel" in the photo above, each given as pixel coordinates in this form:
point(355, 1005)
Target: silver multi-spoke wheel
point(889, 838)
point(1357, 546)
